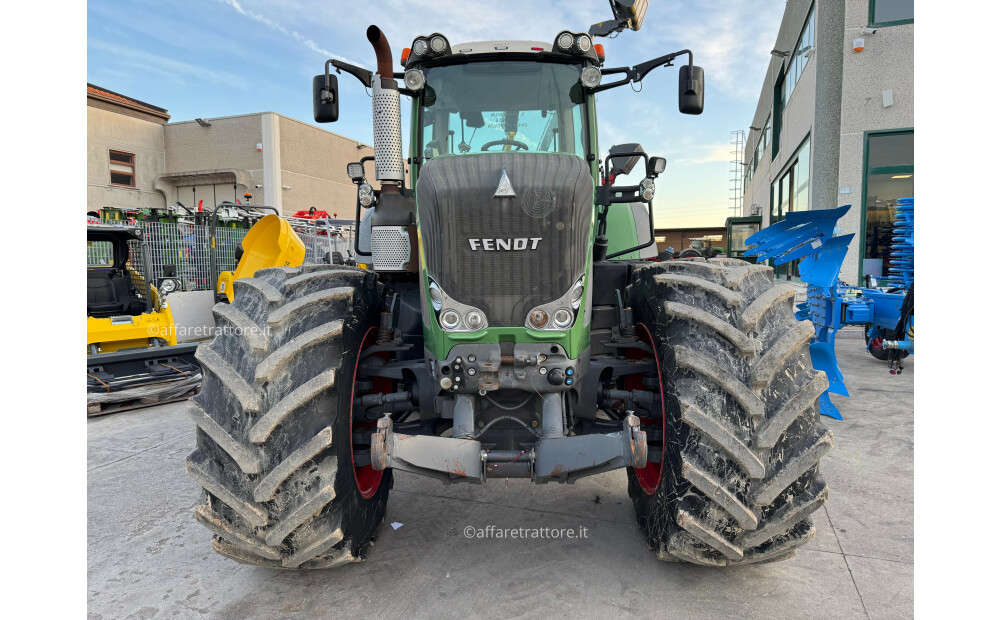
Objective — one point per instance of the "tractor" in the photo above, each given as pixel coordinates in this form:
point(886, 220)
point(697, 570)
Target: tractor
point(506, 327)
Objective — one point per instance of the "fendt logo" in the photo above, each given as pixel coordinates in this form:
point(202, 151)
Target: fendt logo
point(508, 245)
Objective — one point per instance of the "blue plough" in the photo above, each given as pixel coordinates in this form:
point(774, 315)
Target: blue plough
point(831, 304)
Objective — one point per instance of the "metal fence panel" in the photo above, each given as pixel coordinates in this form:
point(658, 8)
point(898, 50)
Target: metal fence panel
point(182, 249)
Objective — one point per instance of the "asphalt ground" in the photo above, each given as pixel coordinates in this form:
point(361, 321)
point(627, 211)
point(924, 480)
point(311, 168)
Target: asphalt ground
point(148, 558)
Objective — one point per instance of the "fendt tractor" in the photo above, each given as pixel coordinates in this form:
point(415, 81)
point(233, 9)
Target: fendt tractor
point(507, 328)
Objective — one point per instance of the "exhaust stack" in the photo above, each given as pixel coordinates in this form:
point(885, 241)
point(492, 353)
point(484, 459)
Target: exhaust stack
point(386, 118)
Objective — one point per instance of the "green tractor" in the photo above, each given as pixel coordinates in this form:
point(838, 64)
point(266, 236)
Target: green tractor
point(506, 327)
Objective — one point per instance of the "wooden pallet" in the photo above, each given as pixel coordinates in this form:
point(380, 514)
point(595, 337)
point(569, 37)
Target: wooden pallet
point(98, 409)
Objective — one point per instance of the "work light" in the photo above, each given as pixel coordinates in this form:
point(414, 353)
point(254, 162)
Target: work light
point(590, 77)
point(414, 79)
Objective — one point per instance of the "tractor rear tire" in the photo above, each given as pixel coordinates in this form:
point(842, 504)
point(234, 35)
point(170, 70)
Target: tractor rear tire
point(274, 435)
point(739, 474)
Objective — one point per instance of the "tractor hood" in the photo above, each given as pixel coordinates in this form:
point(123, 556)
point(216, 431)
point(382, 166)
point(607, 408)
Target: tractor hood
point(505, 232)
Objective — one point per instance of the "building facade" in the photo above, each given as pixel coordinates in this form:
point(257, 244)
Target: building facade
point(136, 159)
point(834, 122)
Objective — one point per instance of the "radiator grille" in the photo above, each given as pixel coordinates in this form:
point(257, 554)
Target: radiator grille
point(503, 271)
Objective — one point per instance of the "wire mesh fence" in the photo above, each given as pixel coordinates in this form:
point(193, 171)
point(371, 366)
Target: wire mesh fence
point(183, 250)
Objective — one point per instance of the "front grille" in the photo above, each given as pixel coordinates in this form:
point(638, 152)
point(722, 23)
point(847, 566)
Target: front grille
point(553, 203)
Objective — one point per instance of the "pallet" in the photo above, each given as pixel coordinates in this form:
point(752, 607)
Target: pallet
point(99, 409)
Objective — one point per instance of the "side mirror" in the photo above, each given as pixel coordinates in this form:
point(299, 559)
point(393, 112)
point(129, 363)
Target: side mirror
point(326, 104)
point(691, 89)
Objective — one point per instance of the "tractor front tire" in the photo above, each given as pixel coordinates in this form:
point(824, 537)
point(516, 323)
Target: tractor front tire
point(274, 434)
point(739, 475)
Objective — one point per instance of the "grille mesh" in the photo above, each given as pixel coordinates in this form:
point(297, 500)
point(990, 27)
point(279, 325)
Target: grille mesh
point(390, 248)
point(554, 204)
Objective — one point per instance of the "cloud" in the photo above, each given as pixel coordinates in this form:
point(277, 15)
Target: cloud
point(167, 67)
point(273, 25)
point(731, 39)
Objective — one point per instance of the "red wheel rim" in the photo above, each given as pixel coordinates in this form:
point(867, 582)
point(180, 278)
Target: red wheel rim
point(649, 476)
point(366, 477)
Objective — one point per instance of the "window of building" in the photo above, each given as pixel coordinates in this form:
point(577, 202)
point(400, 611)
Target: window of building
point(790, 192)
point(800, 56)
point(764, 141)
point(888, 177)
point(890, 12)
point(122, 168)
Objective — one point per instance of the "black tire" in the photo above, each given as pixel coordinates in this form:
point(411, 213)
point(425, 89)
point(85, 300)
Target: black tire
point(273, 440)
point(739, 477)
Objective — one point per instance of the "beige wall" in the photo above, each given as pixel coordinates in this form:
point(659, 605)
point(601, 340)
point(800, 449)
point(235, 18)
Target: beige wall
point(110, 130)
point(314, 168)
point(885, 64)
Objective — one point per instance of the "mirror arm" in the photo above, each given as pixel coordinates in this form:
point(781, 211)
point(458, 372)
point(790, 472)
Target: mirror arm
point(638, 72)
point(363, 75)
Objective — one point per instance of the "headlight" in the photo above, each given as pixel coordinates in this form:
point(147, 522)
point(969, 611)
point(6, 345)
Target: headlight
point(452, 315)
point(646, 189)
point(438, 44)
point(590, 77)
point(538, 318)
point(420, 47)
point(475, 320)
point(562, 318)
point(450, 319)
point(168, 285)
point(576, 294)
point(414, 79)
point(435, 294)
point(565, 41)
point(583, 43)
point(366, 194)
point(355, 171)
point(559, 314)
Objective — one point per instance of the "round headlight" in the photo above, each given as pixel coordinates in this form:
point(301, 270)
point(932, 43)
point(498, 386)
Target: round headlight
point(647, 194)
point(590, 77)
point(583, 43)
point(565, 41)
point(435, 294)
point(576, 294)
point(365, 190)
point(646, 183)
point(562, 318)
point(414, 79)
point(168, 285)
point(450, 319)
point(420, 47)
point(475, 320)
point(538, 319)
point(438, 44)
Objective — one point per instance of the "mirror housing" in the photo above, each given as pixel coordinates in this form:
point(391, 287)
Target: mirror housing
point(627, 161)
point(326, 103)
point(691, 89)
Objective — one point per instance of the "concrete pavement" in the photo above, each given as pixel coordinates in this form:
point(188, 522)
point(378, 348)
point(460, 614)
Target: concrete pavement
point(148, 558)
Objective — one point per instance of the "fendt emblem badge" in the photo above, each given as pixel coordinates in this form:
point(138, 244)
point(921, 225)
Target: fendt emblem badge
point(504, 188)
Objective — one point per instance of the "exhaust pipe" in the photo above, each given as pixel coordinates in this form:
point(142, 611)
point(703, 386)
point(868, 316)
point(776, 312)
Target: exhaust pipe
point(386, 118)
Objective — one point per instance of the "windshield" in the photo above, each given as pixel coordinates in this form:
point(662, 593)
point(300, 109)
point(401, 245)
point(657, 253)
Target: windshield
point(503, 106)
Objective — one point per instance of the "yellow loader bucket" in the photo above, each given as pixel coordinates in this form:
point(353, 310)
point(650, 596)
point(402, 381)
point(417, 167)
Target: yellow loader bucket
point(270, 243)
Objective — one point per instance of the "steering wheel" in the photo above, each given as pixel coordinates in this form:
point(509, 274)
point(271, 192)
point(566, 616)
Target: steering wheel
point(521, 146)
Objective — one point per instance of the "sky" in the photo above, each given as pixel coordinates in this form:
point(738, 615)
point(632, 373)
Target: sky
point(209, 58)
